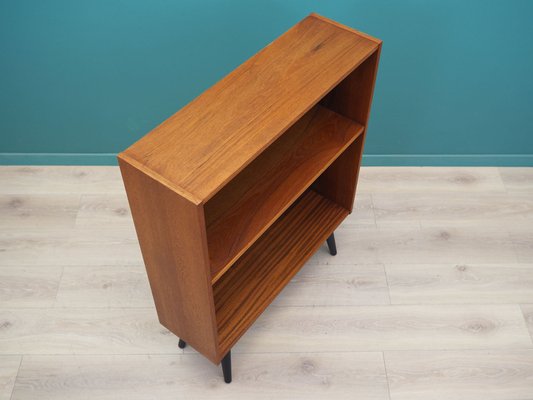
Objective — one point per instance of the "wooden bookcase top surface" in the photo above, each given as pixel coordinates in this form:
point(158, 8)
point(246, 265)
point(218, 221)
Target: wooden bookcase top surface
point(204, 145)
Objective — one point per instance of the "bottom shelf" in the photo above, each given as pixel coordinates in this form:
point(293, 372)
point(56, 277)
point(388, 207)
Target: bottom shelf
point(256, 278)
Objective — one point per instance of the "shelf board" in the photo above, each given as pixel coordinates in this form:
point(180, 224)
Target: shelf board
point(252, 201)
point(243, 293)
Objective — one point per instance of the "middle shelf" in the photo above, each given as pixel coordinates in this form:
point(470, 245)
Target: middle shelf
point(250, 203)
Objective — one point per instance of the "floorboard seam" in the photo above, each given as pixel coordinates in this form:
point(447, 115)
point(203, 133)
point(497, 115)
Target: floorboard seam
point(386, 374)
point(16, 378)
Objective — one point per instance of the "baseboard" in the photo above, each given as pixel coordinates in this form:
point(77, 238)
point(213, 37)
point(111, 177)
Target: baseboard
point(449, 160)
point(58, 159)
point(452, 160)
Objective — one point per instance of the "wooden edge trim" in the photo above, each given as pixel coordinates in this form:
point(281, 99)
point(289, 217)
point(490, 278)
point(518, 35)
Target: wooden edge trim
point(165, 182)
point(347, 28)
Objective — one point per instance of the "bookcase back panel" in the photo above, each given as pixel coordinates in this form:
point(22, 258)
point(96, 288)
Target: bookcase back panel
point(238, 214)
point(338, 182)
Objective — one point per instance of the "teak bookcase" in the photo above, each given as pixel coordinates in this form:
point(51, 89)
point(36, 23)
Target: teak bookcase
point(232, 194)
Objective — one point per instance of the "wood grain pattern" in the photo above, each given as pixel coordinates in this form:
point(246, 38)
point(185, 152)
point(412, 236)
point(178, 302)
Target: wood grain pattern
point(460, 283)
point(117, 246)
point(29, 287)
point(432, 208)
point(22, 212)
point(300, 376)
point(431, 179)
point(517, 179)
point(244, 292)
point(521, 238)
point(60, 180)
point(452, 243)
point(202, 146)
point(473, 375)
point(98, 348)
point(84, 331)
point(527, 310)
point(336, 285)
point(100, 209)
point(172, 236)
point(251, 202)
point(104, 286)
point(9, 366)
point(374, 328)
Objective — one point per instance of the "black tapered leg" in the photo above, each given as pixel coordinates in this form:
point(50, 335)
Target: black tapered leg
point(182, 344)
point(331, 244)
point(226, 367)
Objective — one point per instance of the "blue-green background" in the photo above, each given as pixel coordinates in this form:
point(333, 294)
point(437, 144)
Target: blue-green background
point(81, 80)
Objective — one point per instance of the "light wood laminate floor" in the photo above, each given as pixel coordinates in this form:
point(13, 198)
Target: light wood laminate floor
point(429, 297)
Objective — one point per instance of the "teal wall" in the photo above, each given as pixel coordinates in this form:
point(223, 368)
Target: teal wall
point(81, 80)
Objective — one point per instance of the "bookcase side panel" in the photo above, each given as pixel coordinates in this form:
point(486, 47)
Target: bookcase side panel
point(352, 98)
point(171, 233)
